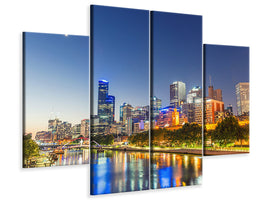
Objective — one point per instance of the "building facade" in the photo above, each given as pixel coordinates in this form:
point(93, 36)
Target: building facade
point(177, 93)
point(242, 98)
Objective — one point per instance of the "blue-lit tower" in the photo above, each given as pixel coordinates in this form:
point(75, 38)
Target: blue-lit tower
point(102, 96)
point(106, 104)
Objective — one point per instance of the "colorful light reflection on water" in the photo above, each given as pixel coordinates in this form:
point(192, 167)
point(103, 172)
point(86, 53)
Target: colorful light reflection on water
point(118, 171)
point(174, 170)
point(72, 157)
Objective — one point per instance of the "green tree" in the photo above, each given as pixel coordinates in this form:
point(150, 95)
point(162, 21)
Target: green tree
point(226, 131)
point(30, 149)
point(242, 134)
point(109, 139)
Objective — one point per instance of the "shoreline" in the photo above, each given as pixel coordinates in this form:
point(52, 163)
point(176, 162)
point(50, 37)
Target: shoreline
point(180, 151)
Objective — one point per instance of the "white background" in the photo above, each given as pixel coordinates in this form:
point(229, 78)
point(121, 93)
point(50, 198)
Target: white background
point(229, 22)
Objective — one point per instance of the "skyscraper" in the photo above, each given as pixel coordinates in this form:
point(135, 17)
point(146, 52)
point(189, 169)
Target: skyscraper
point(217, 94)
point(195, 92)
point(102, 95)
point(84, 128)
point(106, 103)
point(214, 94)
point(213, 108)
point(126, 112)
point(177, 93)
point(192, 109)
point(242, 97)
point(156, 106)
point(210, 90)
point(110, 101)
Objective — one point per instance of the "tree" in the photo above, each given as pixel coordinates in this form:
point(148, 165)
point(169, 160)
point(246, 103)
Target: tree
point(191, 134)
point(226, 131)
point(30, 149)
point(242, 134)
point(109, 139)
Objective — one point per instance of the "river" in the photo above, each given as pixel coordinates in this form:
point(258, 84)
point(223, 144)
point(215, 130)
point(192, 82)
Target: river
point(73, 157)
point(119, 171)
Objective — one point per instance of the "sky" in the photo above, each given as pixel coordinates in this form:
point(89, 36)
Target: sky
point(227, 66)
point(176, 52)
point(56, 79)
point(121, 55)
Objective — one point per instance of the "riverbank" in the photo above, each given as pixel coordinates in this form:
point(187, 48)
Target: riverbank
point(180, 151)
point(222, 152)
point(156, 150)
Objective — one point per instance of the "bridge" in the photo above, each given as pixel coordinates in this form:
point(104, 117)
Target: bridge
point(65, 146)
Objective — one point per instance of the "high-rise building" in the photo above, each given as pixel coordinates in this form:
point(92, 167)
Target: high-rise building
point(121, 111)
point(214, 94)
point(85, 127)
point(140, 113)
point(242, 97)
point(129, 126)
point(177, 93)
point(210, 90)
point(212, 109)
point(126, 112)
point(63, 130)
point(52, 127)
point(76, 129)
point(106, 104)
point(217, 94)
point(198, 114)
point(194, 104)
point(110, 101)
point(156, 106)
point(102, 96)
point(195, 92)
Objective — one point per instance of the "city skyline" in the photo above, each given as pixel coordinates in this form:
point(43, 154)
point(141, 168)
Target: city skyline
point(56, 76)
point(226, 66)
point(121, 55)
point(177, 52)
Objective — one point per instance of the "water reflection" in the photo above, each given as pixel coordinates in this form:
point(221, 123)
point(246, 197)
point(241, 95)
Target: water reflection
point(118, 171)
point(174, 170)
point(73, 157)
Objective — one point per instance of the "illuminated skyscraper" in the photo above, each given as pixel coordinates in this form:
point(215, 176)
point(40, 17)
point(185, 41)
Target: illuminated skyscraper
point(156, 106)
point(194, 93)
point(106, 104)
point(126, 112)
point(242, 97)
point(177, 93)
point(102, 95)
point(110, 101)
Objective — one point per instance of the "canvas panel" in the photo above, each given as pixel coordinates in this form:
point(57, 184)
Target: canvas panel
point(176, 100)
point(120, 100)
point(226, 71)
point(55, 100)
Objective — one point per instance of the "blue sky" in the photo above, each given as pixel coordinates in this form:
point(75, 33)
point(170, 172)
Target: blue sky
point(227, 66)
point(121, 54)
point(176, 51)
point(56, 79)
